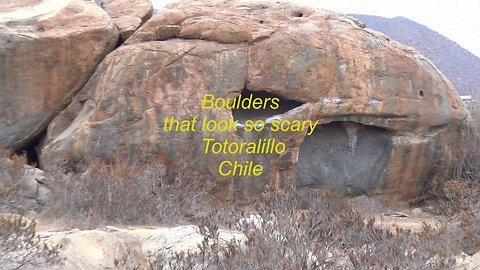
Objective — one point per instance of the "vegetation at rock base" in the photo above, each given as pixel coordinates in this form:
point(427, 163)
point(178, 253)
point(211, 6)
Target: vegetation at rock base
point(127, 190)
point(20, 247)
point(459, 198)
point(10, 170)
point(295, 229)
point(468, 167)
point(329, 234)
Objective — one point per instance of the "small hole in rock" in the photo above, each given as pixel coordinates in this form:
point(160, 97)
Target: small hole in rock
point(41, 29)
point(421, 94)
point(297, 14)
point(284, 105)
point(261, 21)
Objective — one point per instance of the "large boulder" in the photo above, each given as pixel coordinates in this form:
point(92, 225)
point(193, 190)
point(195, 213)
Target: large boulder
point(48, 50)
point(388, 119)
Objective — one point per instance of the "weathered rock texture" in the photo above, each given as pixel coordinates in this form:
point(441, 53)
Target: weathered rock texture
point(97, 249)
point(388, 117)
point(23, 189)
point(48, 50)
point(118, 248)
point(168, 242)
point(128, 15)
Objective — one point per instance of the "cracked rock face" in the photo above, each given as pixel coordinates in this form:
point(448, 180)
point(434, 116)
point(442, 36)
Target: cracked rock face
point(48, 49)
point(128, 15)
point(388, 118)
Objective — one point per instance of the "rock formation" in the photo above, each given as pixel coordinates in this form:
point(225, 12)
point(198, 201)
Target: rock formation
point(128, 15)
point(23, 189)
point(388, 118)
point(133, 248)
point(48, 50)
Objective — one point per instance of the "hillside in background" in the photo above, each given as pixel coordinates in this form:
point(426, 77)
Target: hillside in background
point(460, 66)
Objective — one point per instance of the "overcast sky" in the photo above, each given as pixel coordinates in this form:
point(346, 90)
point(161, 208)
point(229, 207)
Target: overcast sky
point(458, 20)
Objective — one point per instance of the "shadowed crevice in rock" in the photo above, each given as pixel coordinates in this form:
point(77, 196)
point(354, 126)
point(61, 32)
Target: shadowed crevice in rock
point(128, 15)
point(285, 105)
point(345, 155)
point(30, 150)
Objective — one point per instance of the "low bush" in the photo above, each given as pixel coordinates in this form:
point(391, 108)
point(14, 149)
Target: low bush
point(468, 166)
point(20, 248)
point(326, 234)
point(126, 191)
point(13, 182)
point(459, 198)
point(295, 229)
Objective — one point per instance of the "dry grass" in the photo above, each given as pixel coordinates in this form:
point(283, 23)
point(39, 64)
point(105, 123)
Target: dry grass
point(127, 191)
point(459, 198)
point(468, 166)
point(20, 247)
point(310, 229)
point(12, 170)
point(296, 229)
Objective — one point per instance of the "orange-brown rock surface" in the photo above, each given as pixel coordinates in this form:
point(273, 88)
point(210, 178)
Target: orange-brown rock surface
point(388, 118)
point(48, 50)
point(128, 15)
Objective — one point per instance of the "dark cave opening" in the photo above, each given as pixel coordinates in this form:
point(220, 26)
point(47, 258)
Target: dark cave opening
point(284, 105)
point(344, 155)
point(30, 150)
